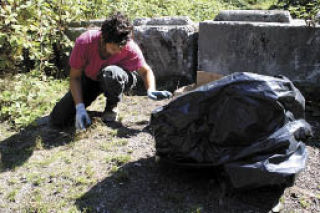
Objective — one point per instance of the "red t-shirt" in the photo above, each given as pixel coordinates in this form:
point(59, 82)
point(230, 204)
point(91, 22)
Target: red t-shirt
point(85, 55)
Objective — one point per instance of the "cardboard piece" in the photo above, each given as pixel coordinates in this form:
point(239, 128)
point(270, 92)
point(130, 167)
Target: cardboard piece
point(206, 77)
point(202, 78)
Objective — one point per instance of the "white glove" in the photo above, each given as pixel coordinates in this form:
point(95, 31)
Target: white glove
point(158, 95)
point(82, 117)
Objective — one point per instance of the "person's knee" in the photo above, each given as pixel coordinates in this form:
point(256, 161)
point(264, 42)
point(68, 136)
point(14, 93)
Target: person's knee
point(112, 79)
point(63, 112)
point(111, 72)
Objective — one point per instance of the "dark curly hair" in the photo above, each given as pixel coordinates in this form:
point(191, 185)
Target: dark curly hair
point(117, 29)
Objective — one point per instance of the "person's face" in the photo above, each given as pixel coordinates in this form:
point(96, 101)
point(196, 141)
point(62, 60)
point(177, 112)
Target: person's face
point(112, 48)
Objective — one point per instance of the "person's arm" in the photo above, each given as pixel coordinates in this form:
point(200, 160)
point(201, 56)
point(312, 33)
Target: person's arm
point(82, 117)
point(150, 84)
point(148, 77)
point(75, 85)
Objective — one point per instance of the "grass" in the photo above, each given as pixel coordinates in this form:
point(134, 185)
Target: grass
point(46, 178)
point(11, 197)
point(26, 97)
point(304, 203)
point(120, 159)
point(88, 168)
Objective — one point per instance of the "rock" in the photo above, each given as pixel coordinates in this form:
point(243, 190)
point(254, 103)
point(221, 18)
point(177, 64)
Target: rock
point(137, 164)
point(170, 50)
point(277, 208)
point(74, 32)
point(254, 16)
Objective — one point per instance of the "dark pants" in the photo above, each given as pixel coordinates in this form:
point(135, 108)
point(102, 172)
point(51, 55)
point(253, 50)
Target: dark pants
point(111, 80)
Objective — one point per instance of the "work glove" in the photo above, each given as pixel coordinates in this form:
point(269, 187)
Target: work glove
point(82, 117)
point(158, 95)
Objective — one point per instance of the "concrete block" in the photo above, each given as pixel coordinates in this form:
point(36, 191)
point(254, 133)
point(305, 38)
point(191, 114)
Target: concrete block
point(166, 20)
point(254, 16)
point(169, 49)
point(74, 32)
point(292, 50)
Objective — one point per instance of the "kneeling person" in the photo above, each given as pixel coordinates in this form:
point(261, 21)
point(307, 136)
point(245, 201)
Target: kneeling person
point(103, 61)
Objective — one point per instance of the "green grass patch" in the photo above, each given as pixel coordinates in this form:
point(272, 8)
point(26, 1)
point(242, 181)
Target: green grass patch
point(83, 180)
point(35, 178)
point(304, 203)
point(26, 97)
point(121, 159)
point(11, 196)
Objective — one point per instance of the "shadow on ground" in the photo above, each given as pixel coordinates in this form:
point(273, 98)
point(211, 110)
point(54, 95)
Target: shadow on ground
point(314, 121)
point(17, 149)
point(147, 186)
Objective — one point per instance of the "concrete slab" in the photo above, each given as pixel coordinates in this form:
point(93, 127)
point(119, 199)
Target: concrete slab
point(269, 48)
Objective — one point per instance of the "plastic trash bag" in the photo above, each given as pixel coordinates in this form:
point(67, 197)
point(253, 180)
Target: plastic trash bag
point(251, 125)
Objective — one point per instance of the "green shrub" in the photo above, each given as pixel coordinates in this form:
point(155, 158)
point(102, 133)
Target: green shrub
point(302, 9)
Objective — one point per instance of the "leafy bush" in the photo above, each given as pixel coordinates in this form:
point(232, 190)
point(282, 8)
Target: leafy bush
point(31, 31)
point(303, 9)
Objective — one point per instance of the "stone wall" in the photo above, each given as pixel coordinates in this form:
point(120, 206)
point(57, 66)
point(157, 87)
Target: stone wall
point(250, 44)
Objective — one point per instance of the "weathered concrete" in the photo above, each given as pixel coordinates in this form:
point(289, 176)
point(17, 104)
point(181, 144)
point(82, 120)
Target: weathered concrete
point(167, 20)
point(168, 48)
point(254, 16)
point(74, 32)
point(269, 48)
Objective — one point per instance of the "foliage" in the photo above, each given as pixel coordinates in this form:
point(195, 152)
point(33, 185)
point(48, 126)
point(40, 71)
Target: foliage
point(31, 33)
point(24, 97)
point(303, 9)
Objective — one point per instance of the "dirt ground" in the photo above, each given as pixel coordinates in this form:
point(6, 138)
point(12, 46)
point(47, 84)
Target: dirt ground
point(112, 168)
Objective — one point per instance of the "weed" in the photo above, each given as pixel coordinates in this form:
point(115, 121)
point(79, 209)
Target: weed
point(121, 159)
point(106, 146)
point(82, 180)
point(35, 178)
point(12, 181)
point(304, 203)
point(89, 171)
point(121, 142)
point(12, 195)
point(38, 143)
point(113, 132)
point(114, 169)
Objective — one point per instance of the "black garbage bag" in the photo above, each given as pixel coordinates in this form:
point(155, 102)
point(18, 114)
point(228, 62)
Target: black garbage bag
point(251, 125)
